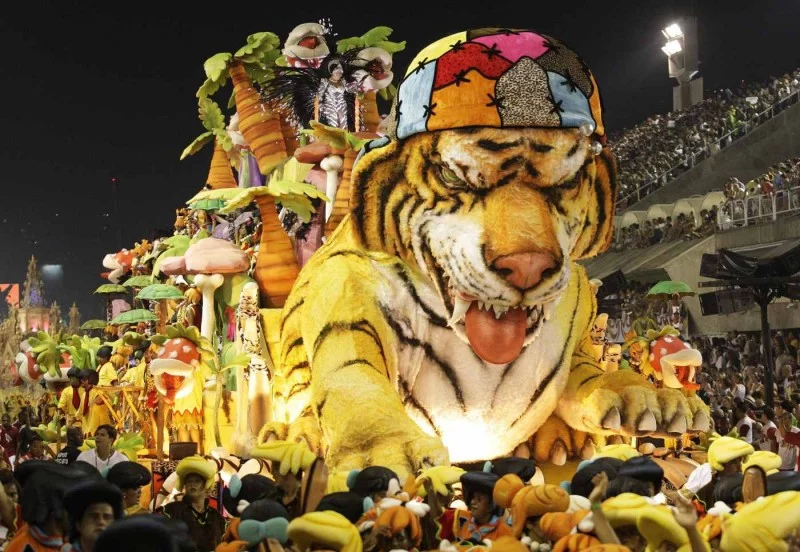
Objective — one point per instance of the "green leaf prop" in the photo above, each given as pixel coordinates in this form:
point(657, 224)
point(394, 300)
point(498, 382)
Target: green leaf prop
point(45, 349)
point(94, 324)
point(375, 35)
point(157, 292)
point(210, 114)
point(197, 144)
point(130, 444)
point(83, 350)
point(223, 194)
point(293, 195)
point(223, 138)
point(209, 88)
point(141, 281)
point(346, 44)
point(134, 317)
point(216, 67)
point(111, 288)
point(257, 43)
point(391, 47)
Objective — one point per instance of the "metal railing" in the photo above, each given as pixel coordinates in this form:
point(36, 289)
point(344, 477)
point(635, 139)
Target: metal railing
point(744, 128)
point(755, 209)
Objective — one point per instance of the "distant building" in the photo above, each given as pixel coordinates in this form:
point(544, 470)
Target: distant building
point(34, 313)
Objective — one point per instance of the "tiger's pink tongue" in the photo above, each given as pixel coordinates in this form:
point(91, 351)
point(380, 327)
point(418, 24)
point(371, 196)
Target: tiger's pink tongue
point(496, 340)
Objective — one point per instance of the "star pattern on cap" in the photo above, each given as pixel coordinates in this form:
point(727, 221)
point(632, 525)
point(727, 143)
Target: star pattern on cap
point(492, 51)
point(494, 101)
point(429, 110)
point(461, 76)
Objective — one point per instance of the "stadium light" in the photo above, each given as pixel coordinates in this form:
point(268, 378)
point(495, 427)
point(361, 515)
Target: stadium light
point(672, 32)
point(672, 47)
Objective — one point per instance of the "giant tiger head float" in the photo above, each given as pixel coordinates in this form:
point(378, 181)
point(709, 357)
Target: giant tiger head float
point(497, 178)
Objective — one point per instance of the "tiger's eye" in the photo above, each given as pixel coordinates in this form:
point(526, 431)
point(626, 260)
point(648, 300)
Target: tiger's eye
point(449, 176)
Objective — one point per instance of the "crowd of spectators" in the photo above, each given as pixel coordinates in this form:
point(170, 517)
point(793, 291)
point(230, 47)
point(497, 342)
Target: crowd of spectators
point(662, 230)
point(664, 146)
point(733, 379)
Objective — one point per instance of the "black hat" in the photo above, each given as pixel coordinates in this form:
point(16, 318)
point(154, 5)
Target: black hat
point(582, 480)
point(92, 491)
point(264, 510)
point(478, 481)
point(128, 475)
point(248, 489)
point(137, 533)
point(521, 467)
point(44, 489)
point(643, 469)
point(179, 531)
point(349, 504)
point(373, 479)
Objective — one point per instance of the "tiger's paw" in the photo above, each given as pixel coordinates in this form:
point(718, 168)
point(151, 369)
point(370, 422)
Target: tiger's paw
point(555, 442)
point(637, 410)
point(403, 454)
point(303, 430)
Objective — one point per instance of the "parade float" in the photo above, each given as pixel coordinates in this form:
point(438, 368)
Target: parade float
point(398, 290)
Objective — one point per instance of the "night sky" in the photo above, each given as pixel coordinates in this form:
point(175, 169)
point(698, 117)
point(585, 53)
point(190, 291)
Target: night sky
point(95, 91)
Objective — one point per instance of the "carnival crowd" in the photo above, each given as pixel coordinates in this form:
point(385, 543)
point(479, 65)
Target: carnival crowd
point(664, 146)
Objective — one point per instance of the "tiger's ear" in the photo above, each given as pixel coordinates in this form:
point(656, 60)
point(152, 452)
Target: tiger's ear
point(598, 224)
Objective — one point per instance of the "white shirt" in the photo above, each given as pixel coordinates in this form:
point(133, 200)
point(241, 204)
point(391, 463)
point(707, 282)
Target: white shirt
point(765, 443)
point(740, 391)
point(90, 457)
point(744, 421)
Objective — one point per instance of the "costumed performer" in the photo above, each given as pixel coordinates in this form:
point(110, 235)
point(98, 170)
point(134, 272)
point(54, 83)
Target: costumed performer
point(206, 525)
point(92, 506)
point(130, 477)
point(71, 399)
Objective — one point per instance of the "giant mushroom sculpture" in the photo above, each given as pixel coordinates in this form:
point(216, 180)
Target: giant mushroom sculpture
point(209, 259)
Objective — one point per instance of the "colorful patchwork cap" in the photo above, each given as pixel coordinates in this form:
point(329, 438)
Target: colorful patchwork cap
point(496, 78)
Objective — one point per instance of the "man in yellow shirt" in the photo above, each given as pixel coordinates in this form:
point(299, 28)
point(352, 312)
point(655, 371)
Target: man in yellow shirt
point(107, 372)
point(69, 404)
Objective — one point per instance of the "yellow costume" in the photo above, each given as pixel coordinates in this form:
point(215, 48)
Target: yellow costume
point(135, 376)
point(97, 415)
point(66, 404)
point(108, 375)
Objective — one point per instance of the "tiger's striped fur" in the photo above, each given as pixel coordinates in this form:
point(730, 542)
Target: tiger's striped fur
point(368, 354)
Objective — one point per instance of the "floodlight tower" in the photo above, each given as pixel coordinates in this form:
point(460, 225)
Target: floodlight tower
point(681, 50)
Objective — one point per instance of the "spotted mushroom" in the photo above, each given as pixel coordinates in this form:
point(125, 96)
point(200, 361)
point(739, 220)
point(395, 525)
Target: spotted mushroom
point(172, 369)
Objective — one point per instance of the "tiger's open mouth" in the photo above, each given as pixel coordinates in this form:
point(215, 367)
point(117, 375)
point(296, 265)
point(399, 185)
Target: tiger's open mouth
point(497, 333)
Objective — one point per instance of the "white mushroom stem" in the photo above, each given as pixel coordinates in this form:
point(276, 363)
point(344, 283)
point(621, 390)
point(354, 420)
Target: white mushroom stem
point(207, 284)
point(332, 164)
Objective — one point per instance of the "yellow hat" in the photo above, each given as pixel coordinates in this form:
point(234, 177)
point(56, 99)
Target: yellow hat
point(727, 449)
point(764, 459)
point(327, 528)
point(763, 524)
point(657, 525)
point(623, 509)
point(197, 465)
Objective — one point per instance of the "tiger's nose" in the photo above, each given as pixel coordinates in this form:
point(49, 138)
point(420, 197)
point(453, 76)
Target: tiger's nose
point(524, 270)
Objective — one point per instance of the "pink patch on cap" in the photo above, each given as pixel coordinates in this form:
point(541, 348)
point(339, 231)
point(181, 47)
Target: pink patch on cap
point(516, 46)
